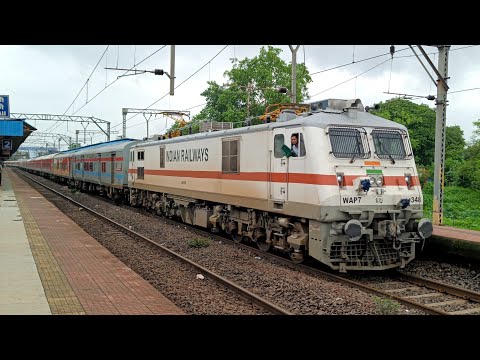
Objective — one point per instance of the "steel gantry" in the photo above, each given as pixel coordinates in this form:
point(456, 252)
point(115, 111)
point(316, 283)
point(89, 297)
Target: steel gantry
point(177, 115)
point(67, 118)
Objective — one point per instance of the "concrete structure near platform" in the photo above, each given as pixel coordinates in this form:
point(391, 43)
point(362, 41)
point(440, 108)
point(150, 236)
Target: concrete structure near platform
point(461, 242)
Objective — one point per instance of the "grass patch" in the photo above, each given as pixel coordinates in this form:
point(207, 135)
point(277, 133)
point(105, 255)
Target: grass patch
point(386, 306)
point(198, 243)
point(461, 206)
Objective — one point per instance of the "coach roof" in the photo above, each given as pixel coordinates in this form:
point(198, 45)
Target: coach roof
point(109, 146)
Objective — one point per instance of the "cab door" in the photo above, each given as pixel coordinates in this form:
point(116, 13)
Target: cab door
point(278, 167)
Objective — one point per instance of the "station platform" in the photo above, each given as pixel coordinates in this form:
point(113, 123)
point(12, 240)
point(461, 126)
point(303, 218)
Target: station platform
point(49, 265)
point(462, 242)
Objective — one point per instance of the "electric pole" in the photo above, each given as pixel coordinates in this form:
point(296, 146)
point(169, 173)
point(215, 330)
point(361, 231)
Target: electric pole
point(294, 73)
point(172, 70)
point(441, 116)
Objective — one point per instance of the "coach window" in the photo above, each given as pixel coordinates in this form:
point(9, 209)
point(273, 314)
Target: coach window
point(104, 166)
point(141, 155)
point(230, 156)
point(162, 157)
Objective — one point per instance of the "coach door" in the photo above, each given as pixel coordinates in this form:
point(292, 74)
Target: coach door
point(99, 168)
point(82, 167)
point(278, 168)
point(131, 166)
point(112, 169)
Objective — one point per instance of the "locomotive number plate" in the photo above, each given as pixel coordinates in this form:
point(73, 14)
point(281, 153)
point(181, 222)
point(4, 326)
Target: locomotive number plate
point(415, 200)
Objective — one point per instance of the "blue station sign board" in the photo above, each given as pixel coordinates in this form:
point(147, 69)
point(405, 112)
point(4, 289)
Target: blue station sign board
point(4, 106)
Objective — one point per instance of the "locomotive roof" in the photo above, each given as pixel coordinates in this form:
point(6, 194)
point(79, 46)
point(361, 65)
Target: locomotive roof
point(320, 119)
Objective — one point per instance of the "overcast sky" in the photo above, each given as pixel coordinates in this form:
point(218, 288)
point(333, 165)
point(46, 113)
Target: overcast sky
point(46, 80)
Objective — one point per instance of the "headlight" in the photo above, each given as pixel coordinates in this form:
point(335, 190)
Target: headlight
point(380, 180)
point(340, 179)
point(373, 181)
point(408, 180)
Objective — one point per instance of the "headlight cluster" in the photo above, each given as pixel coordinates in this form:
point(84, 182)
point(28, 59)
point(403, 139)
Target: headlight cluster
point(376, 180)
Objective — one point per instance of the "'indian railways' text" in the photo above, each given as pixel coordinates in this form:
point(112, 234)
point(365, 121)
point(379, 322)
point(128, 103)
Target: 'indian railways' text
point(188, 155)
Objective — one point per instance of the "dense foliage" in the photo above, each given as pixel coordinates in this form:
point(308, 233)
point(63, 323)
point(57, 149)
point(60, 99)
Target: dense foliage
point(462, 159)
point(250, 86)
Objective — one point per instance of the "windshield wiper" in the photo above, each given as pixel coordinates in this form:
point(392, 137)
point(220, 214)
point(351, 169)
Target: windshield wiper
point(385, 151)
point(355, 155)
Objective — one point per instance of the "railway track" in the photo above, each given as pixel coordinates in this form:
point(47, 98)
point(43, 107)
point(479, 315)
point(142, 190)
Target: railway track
point(443, 298)
point(118, 230)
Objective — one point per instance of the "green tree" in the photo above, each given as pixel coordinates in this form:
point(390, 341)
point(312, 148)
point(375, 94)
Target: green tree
point(420, 122)
point(454, 152)
point(476, 132)
point(467, 173)
point(251, 87)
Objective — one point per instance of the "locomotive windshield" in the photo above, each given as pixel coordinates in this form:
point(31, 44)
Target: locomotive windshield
point(389, 144)
point(348, 143)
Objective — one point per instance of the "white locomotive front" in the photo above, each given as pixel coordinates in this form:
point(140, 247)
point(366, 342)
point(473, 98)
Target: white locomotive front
point(337, 184)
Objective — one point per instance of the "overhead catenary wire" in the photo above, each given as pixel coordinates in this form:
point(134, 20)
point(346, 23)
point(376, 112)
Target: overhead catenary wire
point(86, 81)
point(122, 75)
point(356, 76)
point(188, 78)
point(453, 92)
point(85, 84)
point(380, 55)
point(156, 51)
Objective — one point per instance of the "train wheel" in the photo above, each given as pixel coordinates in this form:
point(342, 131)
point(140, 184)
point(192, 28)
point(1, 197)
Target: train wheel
point(297, 257)
point(237, 237)
point(262, 244)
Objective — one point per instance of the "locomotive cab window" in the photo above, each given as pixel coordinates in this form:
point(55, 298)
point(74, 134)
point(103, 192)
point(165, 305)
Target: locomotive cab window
point(390, 144)
point(349, 143)
point(230, 156)
point(297, 146)
point(141, 155)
